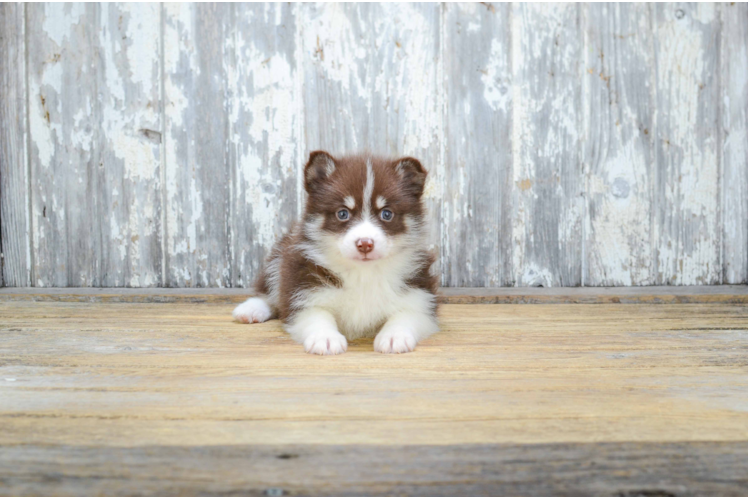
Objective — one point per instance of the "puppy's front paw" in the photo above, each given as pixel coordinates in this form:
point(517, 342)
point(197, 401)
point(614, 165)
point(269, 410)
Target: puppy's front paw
point(254, 310)
point(394, 341)
point(325, 343)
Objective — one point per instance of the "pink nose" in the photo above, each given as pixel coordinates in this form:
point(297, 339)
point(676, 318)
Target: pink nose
point(365, 245)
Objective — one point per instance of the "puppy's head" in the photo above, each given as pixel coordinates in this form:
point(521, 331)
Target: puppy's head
point(362, 208)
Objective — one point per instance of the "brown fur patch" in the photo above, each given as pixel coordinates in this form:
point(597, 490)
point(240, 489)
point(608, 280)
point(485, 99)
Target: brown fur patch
point(423, 278)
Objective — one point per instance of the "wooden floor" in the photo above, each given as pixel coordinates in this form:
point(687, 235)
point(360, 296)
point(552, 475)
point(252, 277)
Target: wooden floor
point(545, 399)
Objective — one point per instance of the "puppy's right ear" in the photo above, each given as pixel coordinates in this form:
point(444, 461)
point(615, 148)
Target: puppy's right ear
point(319, 167)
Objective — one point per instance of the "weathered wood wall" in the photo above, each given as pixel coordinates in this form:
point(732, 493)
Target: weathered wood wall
point(568, 144)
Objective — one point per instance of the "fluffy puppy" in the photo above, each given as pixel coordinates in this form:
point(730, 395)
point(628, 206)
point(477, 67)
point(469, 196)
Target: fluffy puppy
point(357, 263)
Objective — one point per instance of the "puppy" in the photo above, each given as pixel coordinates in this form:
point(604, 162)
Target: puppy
point(357, 264)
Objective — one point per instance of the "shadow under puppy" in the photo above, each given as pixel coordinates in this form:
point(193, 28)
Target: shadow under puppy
point(357, 264)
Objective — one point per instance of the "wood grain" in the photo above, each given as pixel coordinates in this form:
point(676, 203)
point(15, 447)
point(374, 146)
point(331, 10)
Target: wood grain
point(198, 148)
point(64, 118)
point(186, 375)
point(15, 229)
point(176, 399)
point(725, 294)
point(618, 150)
point(128, 145)
point(478, 176)
point(548, 204)
point(687, 211)
point(95, 130)
point(734, 147)
point(264, 132)
point(568, 469)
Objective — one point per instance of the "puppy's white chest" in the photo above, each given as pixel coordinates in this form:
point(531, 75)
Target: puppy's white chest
point(363, 303)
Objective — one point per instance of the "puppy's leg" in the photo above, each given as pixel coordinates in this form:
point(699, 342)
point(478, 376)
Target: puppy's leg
point(254, 310)
point(404, 330)
point(317, 330)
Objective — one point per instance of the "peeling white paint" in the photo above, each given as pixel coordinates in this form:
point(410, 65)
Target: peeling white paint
point(546, 52)
point(618, 246)
point(348, 77)
point(60, 19)
point(688, 250)
point(330, 39)
point(534, 275)
point(734, 150)
point(495, 92)
point(178, 49)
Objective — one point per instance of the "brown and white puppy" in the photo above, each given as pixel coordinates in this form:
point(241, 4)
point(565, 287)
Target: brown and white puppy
point(357, 264)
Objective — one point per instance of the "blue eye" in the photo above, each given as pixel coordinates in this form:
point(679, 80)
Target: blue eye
point(343, 214)
point(386, 215)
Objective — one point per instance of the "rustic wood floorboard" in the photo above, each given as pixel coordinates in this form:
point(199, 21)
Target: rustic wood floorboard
point(176, 399)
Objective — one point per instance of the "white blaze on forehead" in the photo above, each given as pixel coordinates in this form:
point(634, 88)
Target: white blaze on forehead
point(381, 202)
point(368, 188)
point(349, 202)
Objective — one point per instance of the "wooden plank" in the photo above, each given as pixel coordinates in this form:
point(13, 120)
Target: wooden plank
point(371, 82)
point(265, 123)
point(618, 147)
point(733, 73)
point(198, 148)
point(64, 121)
point(128, 145)
point(605, 469)
point(687, 212)
point(15, 263)
point(178, 400)
point(724, 294)
point(546, 131)
point(477, 247)
point(95, 156)
point(110, 375)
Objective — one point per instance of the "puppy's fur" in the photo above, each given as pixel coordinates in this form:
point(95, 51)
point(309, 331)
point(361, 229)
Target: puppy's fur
point(357, 263)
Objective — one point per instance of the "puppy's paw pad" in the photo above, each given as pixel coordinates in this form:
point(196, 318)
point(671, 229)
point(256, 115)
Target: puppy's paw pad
point(254, 310)
point(326, 343)
point(394, 342)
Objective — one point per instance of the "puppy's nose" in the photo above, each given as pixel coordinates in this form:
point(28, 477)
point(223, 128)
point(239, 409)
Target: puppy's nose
point(365, 245)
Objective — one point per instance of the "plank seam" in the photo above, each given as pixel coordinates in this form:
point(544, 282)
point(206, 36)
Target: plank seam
point(300, 109)
point(162, 170)
point(584, 85)
point(706, 294)
point(233, 146)
point(507, 261)
point(2, 253)
point(580, 147)
point(720, 154)
point(442, 103)
point(654, 163)
point(30, 257)
point(98, 274)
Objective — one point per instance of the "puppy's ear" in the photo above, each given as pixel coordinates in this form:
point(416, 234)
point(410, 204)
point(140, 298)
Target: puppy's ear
point(412, 174)
point(319, 167)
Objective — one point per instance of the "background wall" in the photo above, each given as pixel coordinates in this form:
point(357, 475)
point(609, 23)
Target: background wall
point(162, 145)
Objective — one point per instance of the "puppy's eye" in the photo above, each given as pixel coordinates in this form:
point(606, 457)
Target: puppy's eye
point(343, 214)
point(386, 215)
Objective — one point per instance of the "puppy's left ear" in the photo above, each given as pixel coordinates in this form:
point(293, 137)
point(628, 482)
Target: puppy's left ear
point(319, 167)
point(412, 174)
